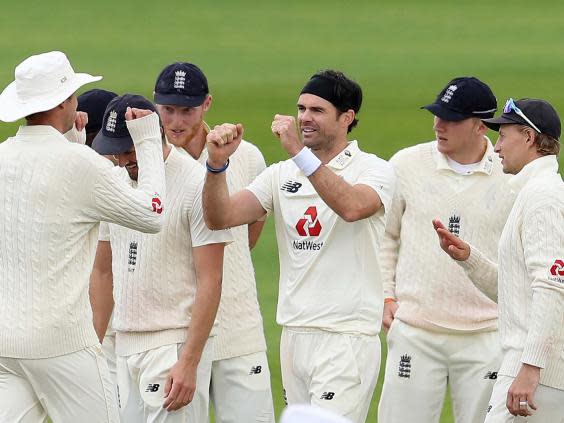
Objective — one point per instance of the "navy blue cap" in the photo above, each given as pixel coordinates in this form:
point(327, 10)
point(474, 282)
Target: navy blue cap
point(181, 84)
point(539, 112)
point(462, 98)
point(114, 138)
point(94, 103)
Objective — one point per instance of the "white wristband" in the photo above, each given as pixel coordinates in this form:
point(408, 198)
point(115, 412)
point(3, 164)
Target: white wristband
point(306, 161)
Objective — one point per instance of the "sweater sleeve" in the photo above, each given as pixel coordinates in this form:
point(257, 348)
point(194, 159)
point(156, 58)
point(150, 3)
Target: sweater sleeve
point(138, 208)
point(482, 272)
point(389, 252)
point(543, 241)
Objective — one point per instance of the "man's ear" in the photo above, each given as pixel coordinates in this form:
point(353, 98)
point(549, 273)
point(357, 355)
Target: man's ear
point(348, 117)
point(207, 103)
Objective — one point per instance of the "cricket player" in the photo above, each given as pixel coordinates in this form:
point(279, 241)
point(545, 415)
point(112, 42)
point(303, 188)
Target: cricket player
point(166, 287)
point(440, 328)
point(240, 379)
point(329, 202)
point(528, 279)
point(94, 102)
point(54, 194)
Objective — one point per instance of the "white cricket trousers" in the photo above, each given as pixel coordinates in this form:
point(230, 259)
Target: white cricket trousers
point(109, 350)
point(69, 388)
point(331, 370)
point(240, 389)
point(421, 363)
point(549, 402)
point(141, 383)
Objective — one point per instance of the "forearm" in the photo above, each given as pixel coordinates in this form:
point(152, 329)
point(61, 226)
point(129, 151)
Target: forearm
point(216, 201)
point(204, 312)
point(482, 272)
point(255, 229)
point(102, 301)
point(350, 202)
point(138, 208)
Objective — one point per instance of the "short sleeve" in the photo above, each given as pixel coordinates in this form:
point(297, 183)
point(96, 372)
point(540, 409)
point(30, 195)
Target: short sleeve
point(381, 177)
point(104, 231)
point(261, 188)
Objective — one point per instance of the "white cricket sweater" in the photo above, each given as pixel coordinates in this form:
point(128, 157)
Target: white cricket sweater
point(154, 275)
point(531, 274)
point(240, 329)
point(434, 293)
point(53, 194)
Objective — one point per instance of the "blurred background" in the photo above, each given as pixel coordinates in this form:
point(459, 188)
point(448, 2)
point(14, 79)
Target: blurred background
point(257, 56)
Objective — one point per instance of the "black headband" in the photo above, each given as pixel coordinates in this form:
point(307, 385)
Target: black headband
point(322, 87)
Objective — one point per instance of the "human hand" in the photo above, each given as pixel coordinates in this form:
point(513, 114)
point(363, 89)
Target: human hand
point(390, 309)
point(285, 128)
point(133, 113)
point(180, 385)
point(222, 141)
point(80, 120)
point(520, 397)
point(451, 244)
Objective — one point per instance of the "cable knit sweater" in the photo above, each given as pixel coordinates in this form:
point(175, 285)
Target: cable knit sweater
point(53, 194)
point(432, 291)
point(240, 328)
point(530, 274)
point(154, 275)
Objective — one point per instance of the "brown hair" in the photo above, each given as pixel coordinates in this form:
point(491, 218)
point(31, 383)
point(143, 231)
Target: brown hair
point(546, 145)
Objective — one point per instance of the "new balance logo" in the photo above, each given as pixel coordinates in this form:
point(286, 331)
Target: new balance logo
point(111, 123)
point(291, 186)
point(328, 396)
point(152, 387)
point(454, 225)
point(179, 79)
point(255, 370)
point(404, 369)
point(491, 375)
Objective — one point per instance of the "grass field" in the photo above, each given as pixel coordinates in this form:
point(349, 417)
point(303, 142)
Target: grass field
point(257, 56)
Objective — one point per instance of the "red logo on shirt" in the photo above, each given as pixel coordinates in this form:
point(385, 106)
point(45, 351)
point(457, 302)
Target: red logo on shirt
point(309, 225)
point(557, 268)
point(157, 205)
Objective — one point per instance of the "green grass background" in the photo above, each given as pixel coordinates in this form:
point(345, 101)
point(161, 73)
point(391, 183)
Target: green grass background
point(258, 54)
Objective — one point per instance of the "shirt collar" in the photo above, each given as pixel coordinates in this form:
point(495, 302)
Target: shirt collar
point(485, 165)
point(341, 160)
point(542, 166)
point(26, 131)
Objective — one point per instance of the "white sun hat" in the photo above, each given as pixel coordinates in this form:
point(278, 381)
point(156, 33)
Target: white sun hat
point(305, 413)
point(41, 82)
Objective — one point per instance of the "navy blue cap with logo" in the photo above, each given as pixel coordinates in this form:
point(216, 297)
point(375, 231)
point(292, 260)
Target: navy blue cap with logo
point(94, 103)
point(462, 98)
point(114, 138)
point(532, 112)
point(181, 84)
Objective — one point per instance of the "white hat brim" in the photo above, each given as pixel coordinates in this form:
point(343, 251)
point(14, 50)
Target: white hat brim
point(12, 107)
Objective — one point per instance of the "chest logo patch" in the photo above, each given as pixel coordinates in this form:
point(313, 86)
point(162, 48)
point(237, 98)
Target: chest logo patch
point(309, 225)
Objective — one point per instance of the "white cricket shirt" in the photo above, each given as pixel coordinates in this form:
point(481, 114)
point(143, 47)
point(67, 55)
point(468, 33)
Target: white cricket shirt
point(329, 271)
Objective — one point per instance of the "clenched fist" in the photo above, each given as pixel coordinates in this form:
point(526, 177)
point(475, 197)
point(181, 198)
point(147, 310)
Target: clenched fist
point(222, 141)
point(285, 128)
point(132, 113)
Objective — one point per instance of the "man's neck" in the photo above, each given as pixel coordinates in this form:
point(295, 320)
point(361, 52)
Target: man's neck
point(328, 154)
point(472, 155)
point(197, 143)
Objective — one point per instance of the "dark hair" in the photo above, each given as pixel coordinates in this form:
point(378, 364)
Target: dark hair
point(347, 93)
point(546, 145)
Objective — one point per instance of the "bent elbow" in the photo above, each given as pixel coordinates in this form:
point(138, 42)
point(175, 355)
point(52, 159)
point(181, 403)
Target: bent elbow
point(153, 225)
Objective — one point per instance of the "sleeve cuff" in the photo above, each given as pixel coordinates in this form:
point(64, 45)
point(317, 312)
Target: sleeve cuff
point(144, 128)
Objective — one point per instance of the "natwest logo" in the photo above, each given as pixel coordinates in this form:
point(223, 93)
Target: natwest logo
point(309, 225)
point(157, 204)
point(557, 268)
